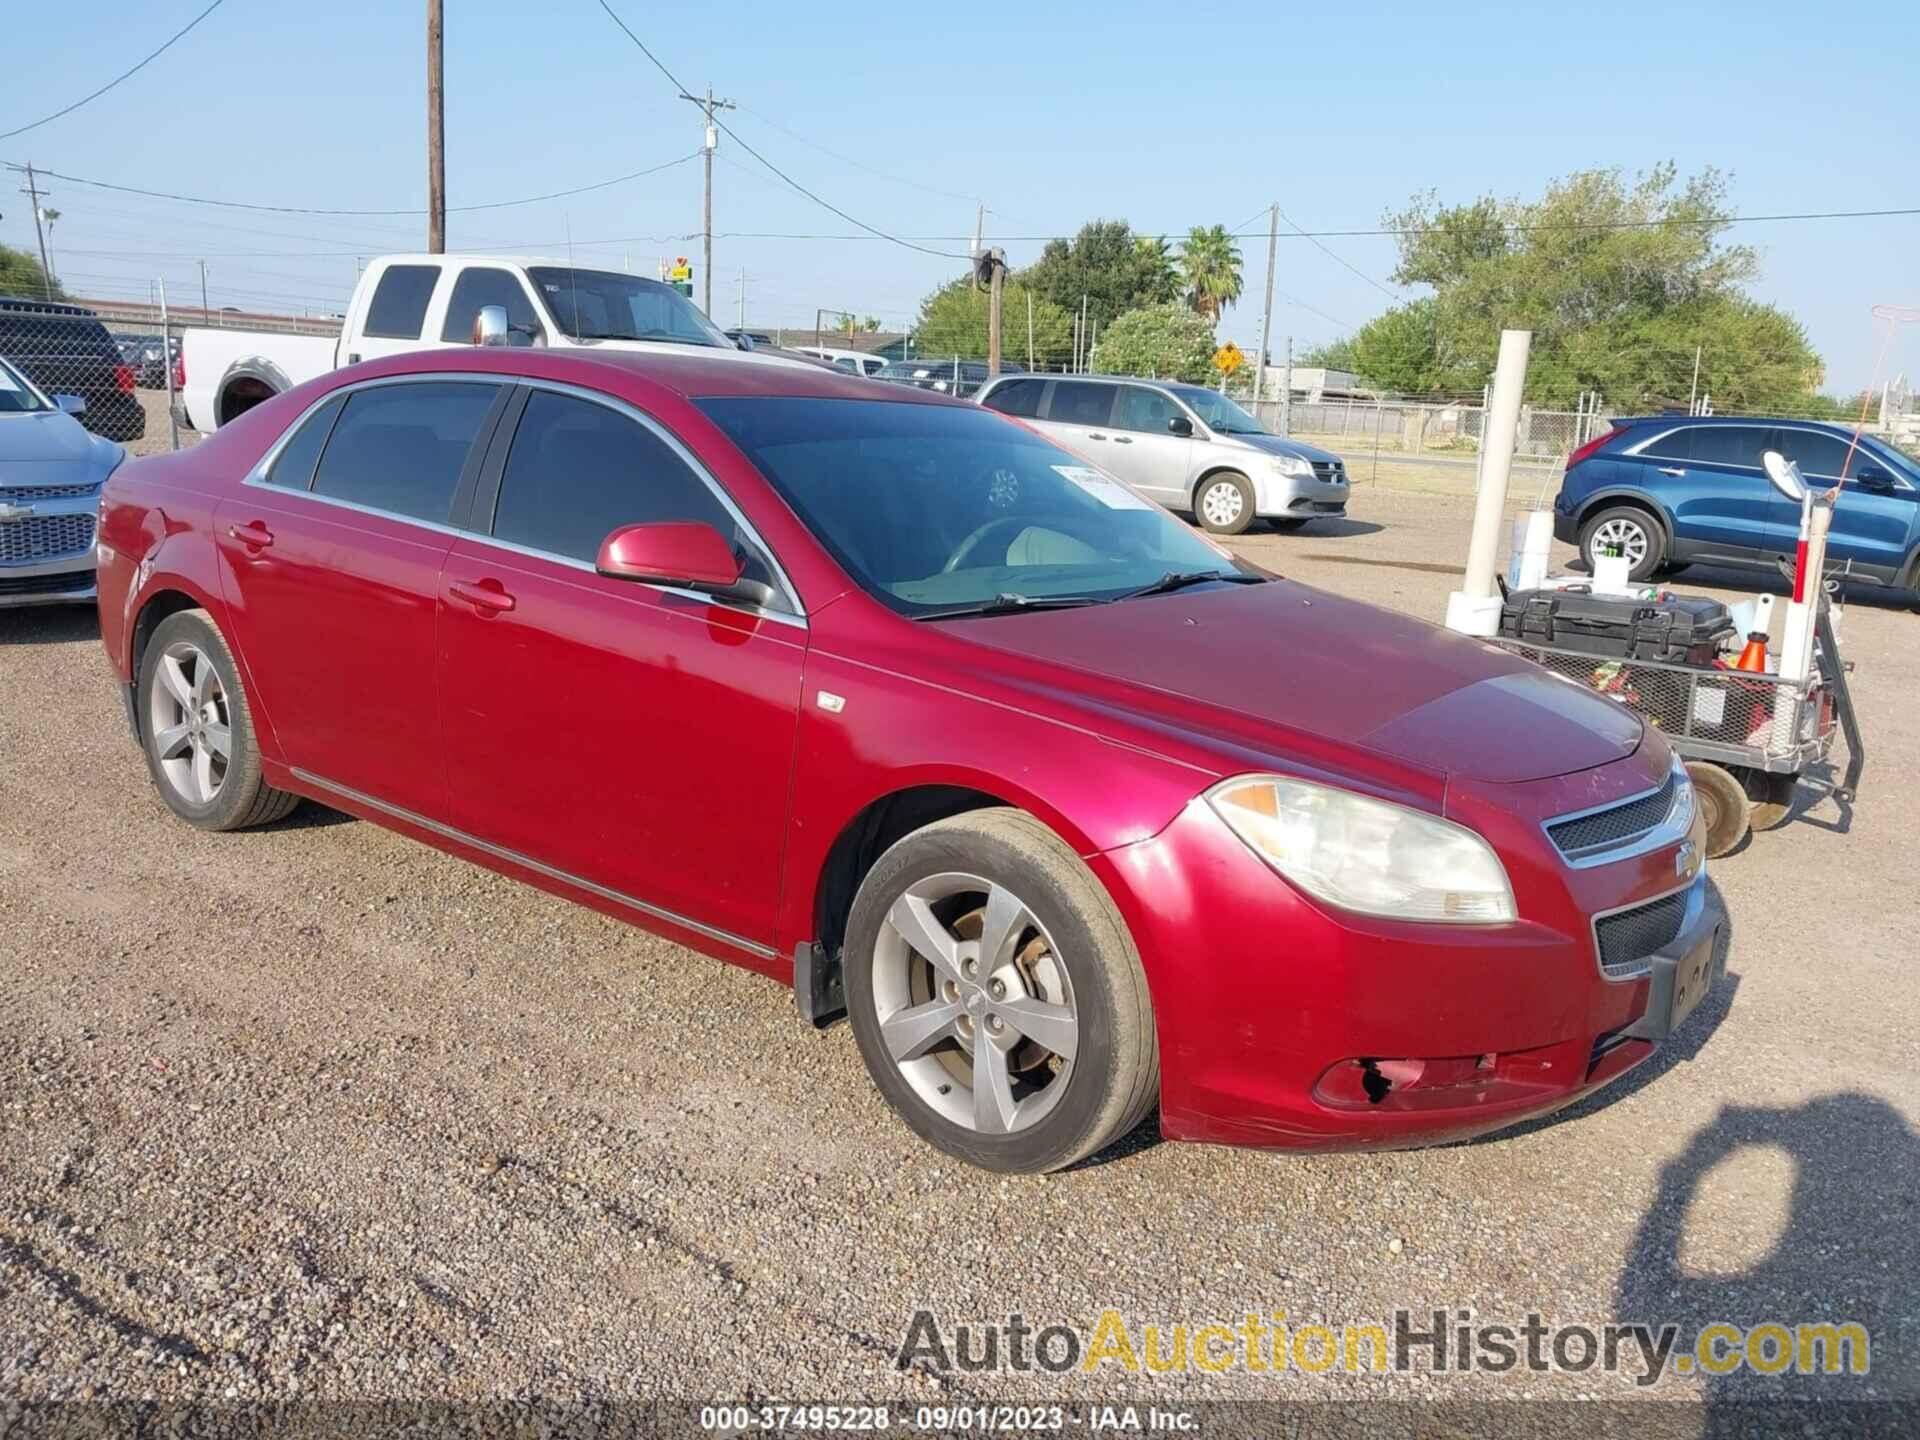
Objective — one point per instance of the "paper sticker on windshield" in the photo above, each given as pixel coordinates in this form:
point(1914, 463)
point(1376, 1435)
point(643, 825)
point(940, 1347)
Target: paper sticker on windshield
point(1109, 492)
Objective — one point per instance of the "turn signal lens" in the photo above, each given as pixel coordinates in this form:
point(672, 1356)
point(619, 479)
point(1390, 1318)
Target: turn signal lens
point(1367, 855)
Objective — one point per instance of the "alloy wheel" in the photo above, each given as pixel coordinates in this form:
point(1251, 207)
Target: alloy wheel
point(1622, 534)
point(974, 1005)
point(190, 724)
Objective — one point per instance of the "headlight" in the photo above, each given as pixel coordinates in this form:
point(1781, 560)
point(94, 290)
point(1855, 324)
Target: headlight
point(1680, 817)
point(1367, 855)
point(1292, 465)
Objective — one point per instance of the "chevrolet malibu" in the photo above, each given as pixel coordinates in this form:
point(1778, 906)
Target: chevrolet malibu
point(887, 697)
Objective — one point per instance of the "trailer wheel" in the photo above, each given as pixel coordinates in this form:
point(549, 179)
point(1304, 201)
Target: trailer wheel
point(1723, 805)
point(1769, 796)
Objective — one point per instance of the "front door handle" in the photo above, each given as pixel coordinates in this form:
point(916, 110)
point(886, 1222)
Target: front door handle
point(252, 534)
point(1123, 439)
point(1095, 435)
point(1671, 470)
point(485, 596)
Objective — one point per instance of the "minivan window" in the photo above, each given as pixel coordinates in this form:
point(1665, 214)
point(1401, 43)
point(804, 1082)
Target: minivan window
point(398, 309)
point(578, 471)
point(1080, 402)
point(1017, 397)
point(1143, 410)
point(400, 447)
point(293, 466)
point(481, 286)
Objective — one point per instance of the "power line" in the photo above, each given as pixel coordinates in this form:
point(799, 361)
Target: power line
point(795, 184)
point(36, 124)
point(307, 210)
point(1340, 261)
point(857, 164)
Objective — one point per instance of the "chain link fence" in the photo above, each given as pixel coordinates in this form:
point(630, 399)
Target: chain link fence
point(114, 374)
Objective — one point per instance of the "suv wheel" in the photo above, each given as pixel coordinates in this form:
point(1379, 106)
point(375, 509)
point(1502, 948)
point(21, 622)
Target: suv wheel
point(1224, 503)
point(996, 997)
point(1630, 530)
point(197, 731)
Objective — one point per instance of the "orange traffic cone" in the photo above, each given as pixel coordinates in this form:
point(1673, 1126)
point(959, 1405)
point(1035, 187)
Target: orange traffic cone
point(1754, 657)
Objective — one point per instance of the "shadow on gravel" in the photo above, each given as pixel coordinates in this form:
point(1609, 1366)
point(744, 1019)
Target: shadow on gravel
point(309, 815)
point(1849, 1250)
point(1425, 567)
point(1333, 530)
point(49, 625)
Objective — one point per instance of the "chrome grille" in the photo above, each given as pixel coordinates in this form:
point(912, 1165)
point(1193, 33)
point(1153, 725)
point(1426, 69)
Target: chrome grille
point(1329, 470)
point(1627, 939)
point(27, 494)
point(68, 582)
point(44, 537)
point(1617, 826)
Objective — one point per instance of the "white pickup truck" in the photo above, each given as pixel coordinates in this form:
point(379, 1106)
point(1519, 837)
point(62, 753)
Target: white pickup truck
point(423, 302)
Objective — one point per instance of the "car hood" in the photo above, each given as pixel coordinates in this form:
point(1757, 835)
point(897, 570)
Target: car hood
point(1293, 658)
point(50, 447)
point(1281, 445)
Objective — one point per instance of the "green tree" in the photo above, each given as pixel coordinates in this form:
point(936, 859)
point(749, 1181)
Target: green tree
point(1169, 341)
point(1210, 267)
point(1332, 355)
point(953, 321)
point(1114, 269)
point(1618, 279)
point(20, 274)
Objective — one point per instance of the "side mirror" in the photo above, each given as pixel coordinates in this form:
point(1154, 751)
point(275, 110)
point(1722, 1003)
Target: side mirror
point(71, 404)
point(1179, 425)
point(744, 341)
point(670, 552)
point(1871, 477)
point(1785, 475)
point(490, 325)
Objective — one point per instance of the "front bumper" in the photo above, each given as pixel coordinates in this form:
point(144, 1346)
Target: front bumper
point(1295, 496)
point(1284, 1025)
point(66, 576)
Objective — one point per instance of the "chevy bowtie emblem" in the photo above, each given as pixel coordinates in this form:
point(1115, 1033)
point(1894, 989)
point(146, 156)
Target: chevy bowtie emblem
point(1686, 860)
point(14, 512)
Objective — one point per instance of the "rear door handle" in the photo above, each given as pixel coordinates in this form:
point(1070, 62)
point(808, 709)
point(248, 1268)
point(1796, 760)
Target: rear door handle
point(1095, 435)
point(1123, 439)
point(484, 595)
point(252, 533)
point(1671, 470)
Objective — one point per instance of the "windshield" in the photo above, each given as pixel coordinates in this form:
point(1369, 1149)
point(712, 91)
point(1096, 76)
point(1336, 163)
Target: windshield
point(607, 305)
point(17, 397)
point(1217, 412)
point(936, 509)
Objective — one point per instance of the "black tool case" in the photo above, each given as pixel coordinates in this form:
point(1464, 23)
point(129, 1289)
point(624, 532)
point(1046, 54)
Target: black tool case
point(1679, 629)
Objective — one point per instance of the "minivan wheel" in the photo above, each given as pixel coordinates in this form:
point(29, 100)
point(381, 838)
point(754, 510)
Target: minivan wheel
point(1225, 503)
point(1636, 534)
point(197, 731)
point(996, 996)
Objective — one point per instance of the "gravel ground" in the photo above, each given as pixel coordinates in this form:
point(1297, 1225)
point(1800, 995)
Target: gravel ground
point(317, 1111)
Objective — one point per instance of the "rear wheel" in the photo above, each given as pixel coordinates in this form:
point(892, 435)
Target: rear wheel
point(1769, 798)
point(1224, 503)
point(996, 997)
point(197, 730)
point(1723, 806)
point(1626, 530)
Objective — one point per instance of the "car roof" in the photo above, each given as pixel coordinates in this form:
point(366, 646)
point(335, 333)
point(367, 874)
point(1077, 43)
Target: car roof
point(688, 374)
point(1676, 421)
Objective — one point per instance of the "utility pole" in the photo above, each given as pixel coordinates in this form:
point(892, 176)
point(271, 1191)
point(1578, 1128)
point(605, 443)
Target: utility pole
point(33, 193)
point(1286, 394)
point(1266, 322)
point(1030, 335)
point(741, 323)
point(436, 134)
point(712, 141)
point(1080, 360)
point(206, 315)
point(994, 262)
point(1693, 394)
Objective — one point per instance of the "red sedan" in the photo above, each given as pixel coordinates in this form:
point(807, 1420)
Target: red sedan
point(889, 698)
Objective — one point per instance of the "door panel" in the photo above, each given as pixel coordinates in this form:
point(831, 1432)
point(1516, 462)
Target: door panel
point(1144, 451)
point(1077, 416)
point(1872, 525)
point(637, 737)
point(1710, 478)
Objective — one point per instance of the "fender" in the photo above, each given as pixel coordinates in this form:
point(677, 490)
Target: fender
point(249, 367)
point(1611, 493)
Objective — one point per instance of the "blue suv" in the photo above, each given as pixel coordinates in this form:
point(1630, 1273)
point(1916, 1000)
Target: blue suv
point(1669, 490)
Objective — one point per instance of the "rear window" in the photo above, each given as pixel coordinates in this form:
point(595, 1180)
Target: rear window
point(398, 310)
point(1080, 402)
point(400, 448)
point(293, 466)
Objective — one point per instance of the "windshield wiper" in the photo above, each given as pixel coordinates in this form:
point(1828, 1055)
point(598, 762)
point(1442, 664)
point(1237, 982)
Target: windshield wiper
point(1180, 579)
point(652, 337)
point(1007, 602)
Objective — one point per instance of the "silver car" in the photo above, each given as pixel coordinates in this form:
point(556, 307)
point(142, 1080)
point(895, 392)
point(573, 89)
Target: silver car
point(1190, 448)
point(51, 471)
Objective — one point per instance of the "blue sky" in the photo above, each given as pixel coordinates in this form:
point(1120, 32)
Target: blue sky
point(904, 115)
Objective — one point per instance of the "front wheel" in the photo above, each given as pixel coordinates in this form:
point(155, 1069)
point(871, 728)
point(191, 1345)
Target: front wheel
point(1225, 503)
point(197, 729)
point(996, 996)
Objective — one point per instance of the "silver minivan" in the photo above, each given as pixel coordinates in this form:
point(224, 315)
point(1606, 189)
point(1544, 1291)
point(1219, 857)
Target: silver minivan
point(1190, 448)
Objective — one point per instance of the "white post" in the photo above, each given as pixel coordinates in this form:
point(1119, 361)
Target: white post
point(1474, 609)
point(166, 360)
point(1809, 580)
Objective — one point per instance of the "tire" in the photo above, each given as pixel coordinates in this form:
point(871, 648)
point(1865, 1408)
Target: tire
point(1623, 523)
point(1068, 968)
point(1769, 798)
point(188, 686)
point(1723, 805)
point(1223, 503)
point(1287, 526)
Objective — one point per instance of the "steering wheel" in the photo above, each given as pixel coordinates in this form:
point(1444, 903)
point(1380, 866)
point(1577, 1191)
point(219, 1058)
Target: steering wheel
point(1012, 524)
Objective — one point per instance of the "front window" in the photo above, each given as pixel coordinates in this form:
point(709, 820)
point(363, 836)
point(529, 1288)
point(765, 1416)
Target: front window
point(936, 510)
point(17, 395)
point(609, 305)
point(1217, 412)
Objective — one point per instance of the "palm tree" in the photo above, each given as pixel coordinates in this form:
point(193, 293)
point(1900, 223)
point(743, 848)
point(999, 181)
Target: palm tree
point(1210, 265)
point(1156, 279)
